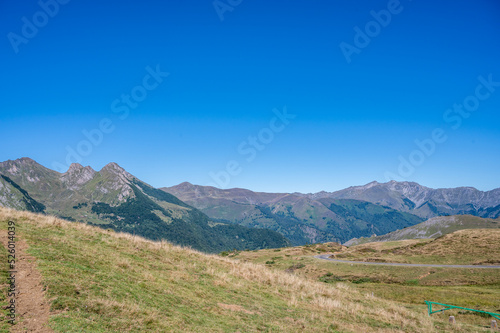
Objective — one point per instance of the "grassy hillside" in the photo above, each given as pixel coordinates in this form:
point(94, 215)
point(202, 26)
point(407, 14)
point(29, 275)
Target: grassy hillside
point(432, 228)
point(467, 247)
point(102, 281)
point(409, 286)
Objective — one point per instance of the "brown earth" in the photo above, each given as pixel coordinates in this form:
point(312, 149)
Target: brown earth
point(32, 307)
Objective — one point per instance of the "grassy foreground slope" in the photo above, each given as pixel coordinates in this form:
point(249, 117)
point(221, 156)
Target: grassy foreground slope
point(474, 288)
point(102, 281)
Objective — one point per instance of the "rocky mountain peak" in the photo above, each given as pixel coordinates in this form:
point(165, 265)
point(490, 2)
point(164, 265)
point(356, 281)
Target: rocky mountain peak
point(115, 169)
point(28, 170)
point(118, 179)
point(184, 186)
point(75, 167)
point(373, 183)
point(15, 166)
point(78, 175)
point(25, 160)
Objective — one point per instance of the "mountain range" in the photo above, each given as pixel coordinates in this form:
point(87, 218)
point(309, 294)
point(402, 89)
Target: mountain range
point(212, 219)
point(298, 217)
point(114, 199)
point(359, 211)
point(423, 201)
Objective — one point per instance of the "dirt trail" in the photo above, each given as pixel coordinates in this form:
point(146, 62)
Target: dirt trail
point(32, 308)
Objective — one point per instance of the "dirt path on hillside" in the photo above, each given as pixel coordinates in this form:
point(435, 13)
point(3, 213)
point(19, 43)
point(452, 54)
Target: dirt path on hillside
point(327, 257)
point(32, 308)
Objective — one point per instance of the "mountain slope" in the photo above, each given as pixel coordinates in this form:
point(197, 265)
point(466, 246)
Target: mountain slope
point(432, 228)
point(330, 216)
point(298, 217)
point(14, 196)
point(101, 281)
point(113, 198)
point(423, 201)
point(364, 218)
point(286, 213)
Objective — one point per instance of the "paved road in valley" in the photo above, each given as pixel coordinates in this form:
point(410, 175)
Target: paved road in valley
point(326, 257)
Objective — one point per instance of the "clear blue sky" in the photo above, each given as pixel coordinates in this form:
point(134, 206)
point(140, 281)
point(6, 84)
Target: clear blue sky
point(354, 120)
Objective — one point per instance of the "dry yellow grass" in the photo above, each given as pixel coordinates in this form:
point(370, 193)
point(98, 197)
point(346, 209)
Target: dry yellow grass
point(479, 244)
point(379, 246)
point(468, 246)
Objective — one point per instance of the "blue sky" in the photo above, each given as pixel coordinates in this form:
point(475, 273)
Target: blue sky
point(264, 99)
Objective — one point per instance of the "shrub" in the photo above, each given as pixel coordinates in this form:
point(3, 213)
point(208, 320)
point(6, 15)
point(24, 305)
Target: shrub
point(413, 282)
point(294, 267)
point(330, 278)
point(363, 280)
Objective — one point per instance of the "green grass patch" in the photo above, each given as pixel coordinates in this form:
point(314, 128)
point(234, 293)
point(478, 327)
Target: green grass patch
point(412, 282)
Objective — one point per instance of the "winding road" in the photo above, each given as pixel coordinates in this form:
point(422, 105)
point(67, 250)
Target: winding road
point(326, 257)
